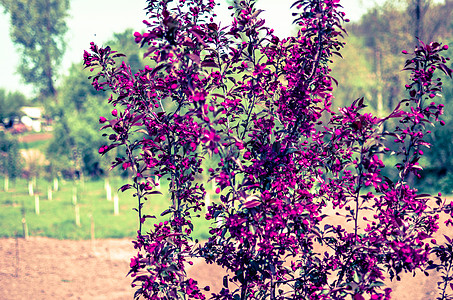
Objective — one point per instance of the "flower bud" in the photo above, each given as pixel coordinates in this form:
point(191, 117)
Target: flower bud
point(138, 37)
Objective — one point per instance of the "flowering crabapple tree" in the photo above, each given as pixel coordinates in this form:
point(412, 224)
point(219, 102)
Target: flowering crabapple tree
point(306, 210)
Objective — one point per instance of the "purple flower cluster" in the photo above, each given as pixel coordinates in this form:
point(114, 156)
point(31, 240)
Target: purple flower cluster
point(287, 163)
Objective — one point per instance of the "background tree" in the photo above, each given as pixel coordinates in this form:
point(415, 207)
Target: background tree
point(10, 104)
point(383, 33)
point(356, 73)
point(78, 110)
point(438, 163)
point(372, 67)
point(38, 28)
point(10, 159)
point(122, 43)
point(431, 21)
point(388, 29)
point(76, 134)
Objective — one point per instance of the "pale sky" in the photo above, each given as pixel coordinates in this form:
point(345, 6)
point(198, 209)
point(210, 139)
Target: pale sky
point(97, 20)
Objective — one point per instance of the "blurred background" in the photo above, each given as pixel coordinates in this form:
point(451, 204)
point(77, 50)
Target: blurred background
point(49, 130)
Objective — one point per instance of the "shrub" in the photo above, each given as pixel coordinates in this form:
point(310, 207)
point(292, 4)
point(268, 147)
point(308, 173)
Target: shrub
point(10, 158)
point(287, 164)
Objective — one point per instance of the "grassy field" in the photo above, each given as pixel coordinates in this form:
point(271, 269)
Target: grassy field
point(57, 217)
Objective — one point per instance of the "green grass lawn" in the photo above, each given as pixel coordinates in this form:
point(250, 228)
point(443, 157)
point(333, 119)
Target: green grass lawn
point(57, 218)
point(40, 145)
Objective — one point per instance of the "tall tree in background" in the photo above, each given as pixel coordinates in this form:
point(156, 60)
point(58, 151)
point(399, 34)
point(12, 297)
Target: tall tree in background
point(428, 20)
point(388, 29)
point(74, 148)
point(122, 43)
point(38, 28)
point(437, 171)
point(381, 35)
point(383, 31)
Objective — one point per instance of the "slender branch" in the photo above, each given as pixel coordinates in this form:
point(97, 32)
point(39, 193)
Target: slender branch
point(446, 281)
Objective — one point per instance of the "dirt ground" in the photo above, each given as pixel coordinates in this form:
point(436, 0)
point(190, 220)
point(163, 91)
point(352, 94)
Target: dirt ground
point(33, 137)
point(43, 268)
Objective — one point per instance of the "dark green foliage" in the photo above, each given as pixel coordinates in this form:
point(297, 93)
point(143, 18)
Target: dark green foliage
point(438, 166)
point(372, 67)
point(10, 104)
point(76, 136)
point(10, 159)
point(123, 43)
point(77, 139)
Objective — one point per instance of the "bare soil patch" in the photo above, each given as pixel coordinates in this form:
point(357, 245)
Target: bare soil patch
point(44, 268)
point(34, 137)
